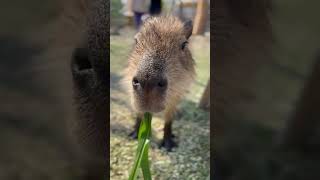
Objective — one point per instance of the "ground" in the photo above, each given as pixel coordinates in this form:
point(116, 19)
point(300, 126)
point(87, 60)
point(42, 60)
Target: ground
point(191, 126)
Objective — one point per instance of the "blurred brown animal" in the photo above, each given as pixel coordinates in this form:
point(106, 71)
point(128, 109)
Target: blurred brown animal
point(79, 37)
point(160, 70)
point(241, 45)
point(242, 41)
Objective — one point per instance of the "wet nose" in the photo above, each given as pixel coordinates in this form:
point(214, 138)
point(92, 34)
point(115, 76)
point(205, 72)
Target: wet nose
point(158, 83)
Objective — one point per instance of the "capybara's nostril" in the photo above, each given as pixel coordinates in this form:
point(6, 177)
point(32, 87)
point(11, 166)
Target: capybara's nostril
point(135, 82)
point(80, 60)
point(150, 83)
point(162, 83)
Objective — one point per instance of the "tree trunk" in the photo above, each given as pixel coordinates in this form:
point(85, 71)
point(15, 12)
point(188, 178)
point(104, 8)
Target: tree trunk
point(201, 17)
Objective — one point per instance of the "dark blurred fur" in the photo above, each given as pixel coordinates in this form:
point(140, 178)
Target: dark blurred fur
point(91, 85)
point(80, 37)
point(241, 41)
point(241, 45)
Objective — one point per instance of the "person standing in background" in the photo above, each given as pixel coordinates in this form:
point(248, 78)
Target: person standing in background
point(139, 8)
point(155, 7)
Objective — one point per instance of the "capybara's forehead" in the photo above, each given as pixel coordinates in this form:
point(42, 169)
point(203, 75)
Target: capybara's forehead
point(162, 27)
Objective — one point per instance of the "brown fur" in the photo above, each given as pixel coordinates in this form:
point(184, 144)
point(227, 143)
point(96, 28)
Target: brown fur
point(241, 45)
point(84, 104)
point(160, 39)
point(304, 124)
point(242, 40)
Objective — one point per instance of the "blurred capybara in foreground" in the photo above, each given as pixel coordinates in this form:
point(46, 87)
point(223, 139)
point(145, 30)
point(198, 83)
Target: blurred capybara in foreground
point(241, 45)
point(160, 70)
point(76, 52)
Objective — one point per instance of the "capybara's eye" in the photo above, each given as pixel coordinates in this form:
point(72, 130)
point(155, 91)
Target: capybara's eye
point(184, 44)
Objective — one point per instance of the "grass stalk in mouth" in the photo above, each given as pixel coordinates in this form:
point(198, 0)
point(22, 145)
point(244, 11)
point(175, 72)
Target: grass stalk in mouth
point(143, 149)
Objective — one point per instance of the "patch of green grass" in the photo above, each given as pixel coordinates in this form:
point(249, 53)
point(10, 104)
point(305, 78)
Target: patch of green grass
point(119, 50)
point(200, 48)
point(116, 18)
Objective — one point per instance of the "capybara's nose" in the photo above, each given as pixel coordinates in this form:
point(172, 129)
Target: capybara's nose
point(140, 83)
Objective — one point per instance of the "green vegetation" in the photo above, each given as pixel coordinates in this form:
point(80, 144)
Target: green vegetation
point(116, 18)
point(142, 155)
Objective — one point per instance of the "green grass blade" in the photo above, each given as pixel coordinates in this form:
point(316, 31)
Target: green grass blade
point(145, 127)
point(143, 149)
point(143, 145)
point(145, 165)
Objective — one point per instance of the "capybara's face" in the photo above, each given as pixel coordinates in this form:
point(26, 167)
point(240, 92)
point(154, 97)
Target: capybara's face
point(160, 65)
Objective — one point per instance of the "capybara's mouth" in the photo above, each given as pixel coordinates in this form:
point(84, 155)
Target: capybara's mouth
point(149, 106)
point(153, 109)
point(148, 103)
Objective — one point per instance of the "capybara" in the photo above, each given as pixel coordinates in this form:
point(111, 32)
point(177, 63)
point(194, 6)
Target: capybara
point(241, 45)
point(77, 51)
point(160, 70)
point(90, 71)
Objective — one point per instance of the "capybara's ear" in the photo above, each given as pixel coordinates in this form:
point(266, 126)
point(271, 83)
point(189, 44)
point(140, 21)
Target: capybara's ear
point(136, 38)
point(146, 18)
point(188, 28)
